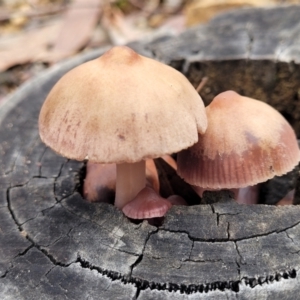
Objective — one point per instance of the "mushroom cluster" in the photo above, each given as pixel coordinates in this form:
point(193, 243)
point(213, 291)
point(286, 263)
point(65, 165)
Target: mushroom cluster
point(122, 108)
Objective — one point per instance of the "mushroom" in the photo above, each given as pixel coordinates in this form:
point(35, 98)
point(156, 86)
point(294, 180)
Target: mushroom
point(122, 108)
point(147, 204)
point(99, 184)
point(246, 142)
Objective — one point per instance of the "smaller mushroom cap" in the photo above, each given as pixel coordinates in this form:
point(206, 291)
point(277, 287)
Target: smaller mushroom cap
point(146, 205)
point(246, 142)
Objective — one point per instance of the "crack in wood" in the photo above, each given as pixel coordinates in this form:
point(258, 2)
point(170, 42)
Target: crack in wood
point(140, 258)
point(144, 284)
point(55, 183)
point(250, 34)
point(10, 208)
point(287, 234)
point(228, 231)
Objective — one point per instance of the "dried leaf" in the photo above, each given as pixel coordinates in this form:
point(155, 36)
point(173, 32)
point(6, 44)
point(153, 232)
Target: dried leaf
point(78, 25)
point(17, 50)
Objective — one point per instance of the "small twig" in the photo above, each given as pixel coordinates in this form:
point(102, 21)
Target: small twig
point(202, 84)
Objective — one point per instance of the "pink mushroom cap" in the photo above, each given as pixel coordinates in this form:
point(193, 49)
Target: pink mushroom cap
point(247, 142)
point(146, 205)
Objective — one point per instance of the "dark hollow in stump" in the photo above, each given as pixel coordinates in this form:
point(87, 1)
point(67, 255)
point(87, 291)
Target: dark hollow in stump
point(55, 245)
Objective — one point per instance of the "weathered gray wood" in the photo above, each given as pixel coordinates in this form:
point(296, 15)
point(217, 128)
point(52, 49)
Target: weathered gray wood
point(55, 245)
point(33, 276)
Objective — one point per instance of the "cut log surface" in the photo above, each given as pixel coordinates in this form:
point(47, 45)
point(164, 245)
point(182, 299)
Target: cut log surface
point(55, 245)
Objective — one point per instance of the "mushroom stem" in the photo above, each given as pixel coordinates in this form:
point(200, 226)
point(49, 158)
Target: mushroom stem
point(131, 178)
point(247, 195)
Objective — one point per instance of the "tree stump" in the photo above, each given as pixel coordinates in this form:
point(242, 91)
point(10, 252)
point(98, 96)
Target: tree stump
point(55, 245)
